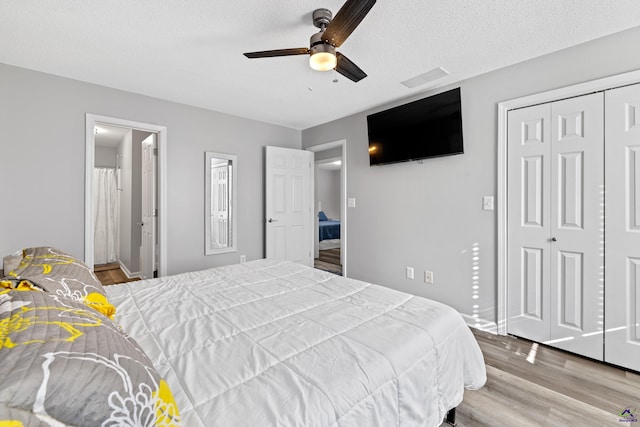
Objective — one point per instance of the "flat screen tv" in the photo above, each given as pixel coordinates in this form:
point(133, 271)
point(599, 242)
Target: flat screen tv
point(428, 127)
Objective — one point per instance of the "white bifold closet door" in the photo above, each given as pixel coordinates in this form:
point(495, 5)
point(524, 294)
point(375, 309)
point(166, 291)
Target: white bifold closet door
point(622, 297)
point(555, 220)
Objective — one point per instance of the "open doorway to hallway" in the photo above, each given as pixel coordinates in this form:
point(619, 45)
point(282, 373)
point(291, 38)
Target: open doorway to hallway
point(327, 202)
point(330, 205)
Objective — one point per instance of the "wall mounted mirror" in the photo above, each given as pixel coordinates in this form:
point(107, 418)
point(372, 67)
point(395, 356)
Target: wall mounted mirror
point(220, 203)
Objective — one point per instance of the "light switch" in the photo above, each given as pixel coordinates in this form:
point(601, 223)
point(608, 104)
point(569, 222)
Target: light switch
point(410, 273)
point(351, 202)
point(487, 203)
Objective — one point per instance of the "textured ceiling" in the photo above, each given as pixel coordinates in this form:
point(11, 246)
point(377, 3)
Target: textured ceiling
point(190, 51)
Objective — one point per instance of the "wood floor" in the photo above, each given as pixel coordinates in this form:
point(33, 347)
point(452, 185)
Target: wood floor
point(110, 274)
point(554, 389)
point(329, 260)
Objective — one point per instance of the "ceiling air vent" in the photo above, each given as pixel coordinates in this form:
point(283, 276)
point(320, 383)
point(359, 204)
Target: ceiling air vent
point(427, 77)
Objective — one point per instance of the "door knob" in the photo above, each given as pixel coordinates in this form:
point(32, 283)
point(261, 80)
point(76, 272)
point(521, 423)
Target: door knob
point(553, 239)
point(273, 220)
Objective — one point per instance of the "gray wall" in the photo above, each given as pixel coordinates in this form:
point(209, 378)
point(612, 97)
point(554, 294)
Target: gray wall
point(105, 157)
point(429, 216)
point(42, 141)
point(328, 192)
point(328, 154)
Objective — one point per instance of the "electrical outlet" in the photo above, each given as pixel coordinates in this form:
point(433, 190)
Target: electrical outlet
point(410, 273)
point(243, 258)
point(428, 277)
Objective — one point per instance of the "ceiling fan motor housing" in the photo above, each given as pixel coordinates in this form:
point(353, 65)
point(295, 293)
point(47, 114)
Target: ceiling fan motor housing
point(318, 45)
point(321, 18)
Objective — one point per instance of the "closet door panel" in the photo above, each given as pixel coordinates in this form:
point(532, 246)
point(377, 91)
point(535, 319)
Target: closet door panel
point(577, 224)
point(571, 284)
point(528, 221)
point(532, 283)
point(633, 185)
point(571, 190)
point(633, 289)
point(622, 296)
point(532, 190)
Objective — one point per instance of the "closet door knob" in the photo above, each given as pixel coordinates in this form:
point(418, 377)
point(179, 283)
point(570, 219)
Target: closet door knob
point(553, 239)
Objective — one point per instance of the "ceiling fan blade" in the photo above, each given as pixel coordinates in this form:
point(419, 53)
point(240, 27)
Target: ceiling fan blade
point(346, 20)
point(349, 69)
point(277, 52)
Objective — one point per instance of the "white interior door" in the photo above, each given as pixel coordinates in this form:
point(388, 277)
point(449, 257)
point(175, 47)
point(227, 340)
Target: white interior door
point(289, 204)
point(148, 225)
point(529, 225)
point(555, 224)
point(577, 224)
point(622, 295)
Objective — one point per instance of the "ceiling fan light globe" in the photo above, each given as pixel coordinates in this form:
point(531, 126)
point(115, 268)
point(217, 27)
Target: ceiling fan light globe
point(323, 61)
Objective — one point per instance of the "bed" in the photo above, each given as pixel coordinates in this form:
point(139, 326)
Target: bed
point(328, 229)
point(270, 342)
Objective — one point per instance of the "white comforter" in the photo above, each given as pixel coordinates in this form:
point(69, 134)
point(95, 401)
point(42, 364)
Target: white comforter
point(273, 343)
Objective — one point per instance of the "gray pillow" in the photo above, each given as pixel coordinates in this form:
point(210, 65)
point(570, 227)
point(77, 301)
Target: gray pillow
point(61, 275)
point(63, 361)
point(11, 262)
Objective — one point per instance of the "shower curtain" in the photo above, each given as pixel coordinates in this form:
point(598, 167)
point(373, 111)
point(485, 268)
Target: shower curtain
point(105, 216)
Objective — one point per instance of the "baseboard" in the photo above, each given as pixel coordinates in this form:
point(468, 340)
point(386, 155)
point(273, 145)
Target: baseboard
point(481, 324)
point(127, 273)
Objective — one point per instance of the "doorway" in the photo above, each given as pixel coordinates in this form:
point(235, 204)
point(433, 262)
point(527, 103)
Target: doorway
point(330, 240)
point(125, 196)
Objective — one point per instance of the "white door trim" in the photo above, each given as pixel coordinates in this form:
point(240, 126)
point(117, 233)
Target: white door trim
point(605, 83)
point(342, 143)
point(90, 122)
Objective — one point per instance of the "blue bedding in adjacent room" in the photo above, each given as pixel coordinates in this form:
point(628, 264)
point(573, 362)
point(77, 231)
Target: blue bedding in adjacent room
point(329, 229)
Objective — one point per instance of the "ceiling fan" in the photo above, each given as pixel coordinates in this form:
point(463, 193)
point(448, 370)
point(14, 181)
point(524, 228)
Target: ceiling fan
point(333, 32)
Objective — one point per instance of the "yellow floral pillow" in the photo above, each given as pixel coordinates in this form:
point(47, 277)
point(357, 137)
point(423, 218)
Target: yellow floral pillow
point(69, 365)
point(61, 275)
